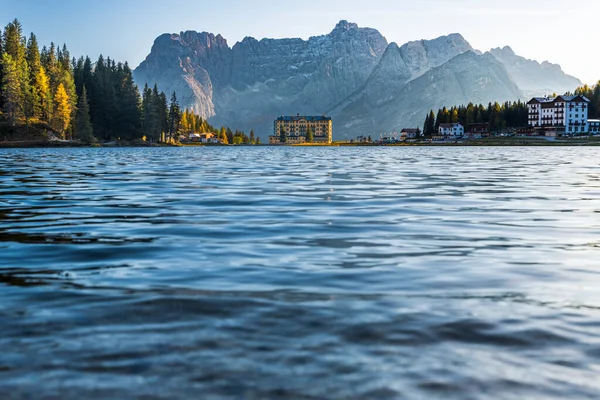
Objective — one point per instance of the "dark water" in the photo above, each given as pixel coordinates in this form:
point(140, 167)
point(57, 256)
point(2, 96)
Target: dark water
point(300, 273)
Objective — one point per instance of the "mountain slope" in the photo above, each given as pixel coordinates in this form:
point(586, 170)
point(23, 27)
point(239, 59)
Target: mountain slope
point(467, 77)
point(533, 78)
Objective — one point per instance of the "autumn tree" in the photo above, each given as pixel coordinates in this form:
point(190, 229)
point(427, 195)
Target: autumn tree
point(62, 109)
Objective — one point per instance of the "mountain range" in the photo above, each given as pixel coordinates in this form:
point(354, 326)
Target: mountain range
point(353, 74)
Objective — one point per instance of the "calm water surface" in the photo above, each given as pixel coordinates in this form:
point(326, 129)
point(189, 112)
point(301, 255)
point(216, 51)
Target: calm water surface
point(300, 273)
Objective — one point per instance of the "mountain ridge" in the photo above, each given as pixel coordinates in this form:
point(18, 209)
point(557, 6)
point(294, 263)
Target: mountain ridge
point(253, 81)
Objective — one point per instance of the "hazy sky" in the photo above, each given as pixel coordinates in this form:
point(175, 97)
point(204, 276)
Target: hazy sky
point(561, 31)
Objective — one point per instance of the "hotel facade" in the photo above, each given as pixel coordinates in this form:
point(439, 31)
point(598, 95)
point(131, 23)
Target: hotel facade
point(562, 115)
point(295, 128)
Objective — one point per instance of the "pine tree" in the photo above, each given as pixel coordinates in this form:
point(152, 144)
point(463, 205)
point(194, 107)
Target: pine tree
point(309, 135)
point(282, 136)
point(11, 89)
point(83, 125)
point(38, 94)
point(163, 114)
point(63, 109)
point(128, 115)
point(16, 74)
point(252, 140)
point(174, 117)
point(149, 114)
point(429, 127)
point(229, 135)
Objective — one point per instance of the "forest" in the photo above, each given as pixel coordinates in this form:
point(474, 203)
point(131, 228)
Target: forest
point(45, 92)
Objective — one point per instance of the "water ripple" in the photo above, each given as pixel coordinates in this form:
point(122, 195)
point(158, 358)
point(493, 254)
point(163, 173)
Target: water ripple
point(300, 273)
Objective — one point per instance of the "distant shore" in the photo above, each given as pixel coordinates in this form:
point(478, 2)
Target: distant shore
point(494, 141)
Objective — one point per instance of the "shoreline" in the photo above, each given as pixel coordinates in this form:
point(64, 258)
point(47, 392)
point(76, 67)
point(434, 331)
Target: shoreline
point(492, 142)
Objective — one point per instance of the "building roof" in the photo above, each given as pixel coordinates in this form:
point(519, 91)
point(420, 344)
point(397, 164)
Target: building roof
point(566, 99)
point(306, 117)
point(411, 130)
point(452, 125)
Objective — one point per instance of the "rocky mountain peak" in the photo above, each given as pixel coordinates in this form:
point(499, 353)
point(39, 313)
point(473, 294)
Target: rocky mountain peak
point(344, 26)
point(531, 76)
point(506, 51)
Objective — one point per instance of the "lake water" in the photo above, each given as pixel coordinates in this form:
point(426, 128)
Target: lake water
point(300, 273)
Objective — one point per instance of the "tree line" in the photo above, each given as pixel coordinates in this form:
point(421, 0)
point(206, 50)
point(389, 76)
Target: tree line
point(593, 94)
point(498, 116)
point(91, 102)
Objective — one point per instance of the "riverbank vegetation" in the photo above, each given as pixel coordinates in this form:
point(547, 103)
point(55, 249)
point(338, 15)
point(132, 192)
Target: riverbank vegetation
point(45, 95)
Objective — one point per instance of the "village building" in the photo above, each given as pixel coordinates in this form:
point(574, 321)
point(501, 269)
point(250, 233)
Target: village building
point(478, 130)
point(408, 133)
point(205, 137)
point(558, 115)
point(295, 128)
point(453, 129)
point(594, 126)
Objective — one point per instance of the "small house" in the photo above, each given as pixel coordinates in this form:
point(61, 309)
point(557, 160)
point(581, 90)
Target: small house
point(453, 129)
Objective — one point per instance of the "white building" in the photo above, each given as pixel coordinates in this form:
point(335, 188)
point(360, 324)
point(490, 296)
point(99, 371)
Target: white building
point(566, 114)
point(455, 129)
point(594, 126)
point(408, 133)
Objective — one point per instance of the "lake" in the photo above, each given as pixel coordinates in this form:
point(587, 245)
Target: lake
point(300, 273)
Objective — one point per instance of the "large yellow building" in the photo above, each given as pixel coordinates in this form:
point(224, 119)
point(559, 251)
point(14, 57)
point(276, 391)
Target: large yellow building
point(295, 129)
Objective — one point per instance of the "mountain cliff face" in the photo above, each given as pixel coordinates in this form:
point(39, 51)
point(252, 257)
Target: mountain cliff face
point(533, 78)
point(351, 73)
point(257, 80)
point(468, 77)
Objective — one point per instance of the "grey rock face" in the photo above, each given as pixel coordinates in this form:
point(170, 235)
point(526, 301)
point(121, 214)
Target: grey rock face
point(257, 80)
point(533, 78)
point(468, 77)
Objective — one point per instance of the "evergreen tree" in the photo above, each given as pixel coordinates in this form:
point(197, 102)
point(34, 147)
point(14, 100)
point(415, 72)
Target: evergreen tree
point(163, 114)
point(11, 89)
point(174, 117)
point(252, 139)
point(128, 118)
point(257, 140)
point(149, 115)
point(229, 135)
point(1, 74)
point(282, 137)
point(309, 135)
point(16, 74)
point(83, 127)
point(429, 126)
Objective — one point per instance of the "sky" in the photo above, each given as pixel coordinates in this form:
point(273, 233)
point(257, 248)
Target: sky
point(560, 31)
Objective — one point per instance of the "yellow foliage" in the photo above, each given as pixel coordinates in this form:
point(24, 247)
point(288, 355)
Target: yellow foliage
point(63, 108)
